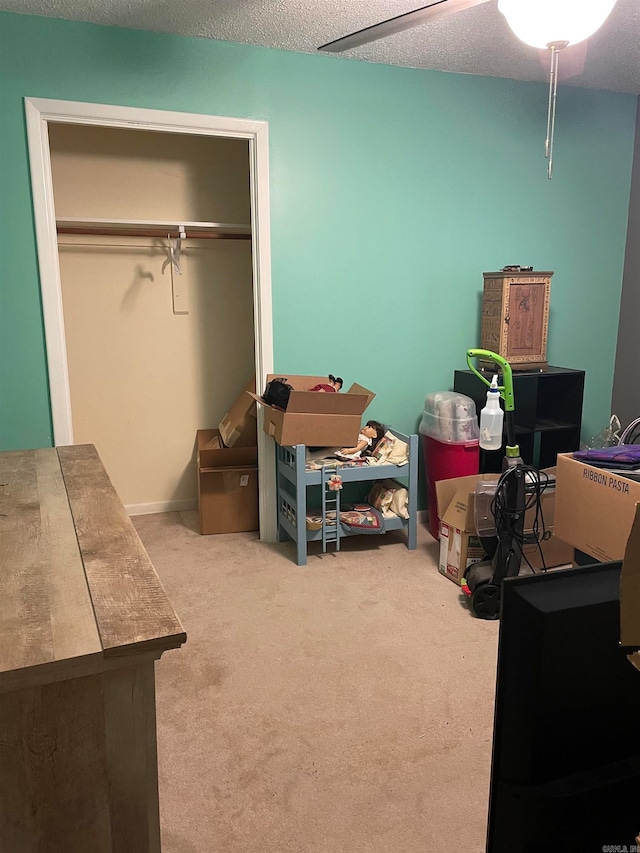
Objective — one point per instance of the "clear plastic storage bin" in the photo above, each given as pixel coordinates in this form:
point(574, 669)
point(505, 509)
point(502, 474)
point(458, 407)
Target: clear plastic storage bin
point(450, 417)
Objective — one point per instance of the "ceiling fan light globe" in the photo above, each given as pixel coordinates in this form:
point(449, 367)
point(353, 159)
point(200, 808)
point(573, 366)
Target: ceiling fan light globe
point(541, 22)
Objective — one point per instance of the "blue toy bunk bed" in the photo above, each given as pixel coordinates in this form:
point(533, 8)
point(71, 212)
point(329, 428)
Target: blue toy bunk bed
point(293, 478)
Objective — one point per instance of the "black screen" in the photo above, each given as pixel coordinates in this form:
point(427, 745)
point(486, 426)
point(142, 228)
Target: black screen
point(566, 750)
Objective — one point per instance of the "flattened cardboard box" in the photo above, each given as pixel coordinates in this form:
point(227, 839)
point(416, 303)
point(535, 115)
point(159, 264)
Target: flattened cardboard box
point(239, 427)
point(460, 545)
point(630, 590)
point(595, 508)
point(315, 418)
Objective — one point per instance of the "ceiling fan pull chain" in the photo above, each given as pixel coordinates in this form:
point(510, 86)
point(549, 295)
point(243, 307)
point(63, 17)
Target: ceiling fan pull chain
point(547, 140)
point(555, 48)
point(551, 111)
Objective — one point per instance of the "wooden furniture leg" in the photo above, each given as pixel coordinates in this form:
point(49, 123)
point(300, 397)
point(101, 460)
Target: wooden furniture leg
point(78, 766)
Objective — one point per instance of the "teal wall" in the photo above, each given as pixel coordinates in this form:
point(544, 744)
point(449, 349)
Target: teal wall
point(392, 190)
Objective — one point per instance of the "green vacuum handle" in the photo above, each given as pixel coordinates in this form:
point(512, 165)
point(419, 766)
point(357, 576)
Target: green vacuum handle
point(506, 390)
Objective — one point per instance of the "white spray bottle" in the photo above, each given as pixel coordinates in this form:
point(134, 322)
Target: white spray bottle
point(491, 419)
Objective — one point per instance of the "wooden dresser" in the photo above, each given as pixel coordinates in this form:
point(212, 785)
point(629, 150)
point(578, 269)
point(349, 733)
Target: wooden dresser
point(83, 618)
point(515, 317)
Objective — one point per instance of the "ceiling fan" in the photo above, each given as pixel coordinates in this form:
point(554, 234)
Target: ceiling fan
point(423, 15)
point(549, 25)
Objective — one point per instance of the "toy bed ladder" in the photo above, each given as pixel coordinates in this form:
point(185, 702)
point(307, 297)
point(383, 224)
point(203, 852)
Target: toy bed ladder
point(330, 504)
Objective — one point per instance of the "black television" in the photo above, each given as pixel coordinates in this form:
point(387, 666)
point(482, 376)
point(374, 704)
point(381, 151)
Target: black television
point(565, 770)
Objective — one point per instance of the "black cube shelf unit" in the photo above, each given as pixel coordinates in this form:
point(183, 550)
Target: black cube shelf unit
point(548, 412)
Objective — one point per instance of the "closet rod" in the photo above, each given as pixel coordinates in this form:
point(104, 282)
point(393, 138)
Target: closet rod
point(152, 232)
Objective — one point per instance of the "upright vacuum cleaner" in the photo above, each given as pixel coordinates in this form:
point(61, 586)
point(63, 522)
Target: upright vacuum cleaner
point(484, 579)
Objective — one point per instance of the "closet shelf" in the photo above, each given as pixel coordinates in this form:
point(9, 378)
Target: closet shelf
point(153, 228)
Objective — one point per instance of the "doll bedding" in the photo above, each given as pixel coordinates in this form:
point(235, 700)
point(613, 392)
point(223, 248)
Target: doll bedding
point(390, 450)
point(356, 518)
point(315, 462)
point(389, 498)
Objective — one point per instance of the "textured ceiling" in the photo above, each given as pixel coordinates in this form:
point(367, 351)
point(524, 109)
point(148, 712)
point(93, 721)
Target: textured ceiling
point(476, 41)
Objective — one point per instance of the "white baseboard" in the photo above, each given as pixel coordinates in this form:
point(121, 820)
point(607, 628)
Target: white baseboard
point(160, 506)
point(182, 506)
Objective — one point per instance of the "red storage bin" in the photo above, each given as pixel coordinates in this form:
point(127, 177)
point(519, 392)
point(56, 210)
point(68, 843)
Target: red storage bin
point(445, 461)
point(450, 436)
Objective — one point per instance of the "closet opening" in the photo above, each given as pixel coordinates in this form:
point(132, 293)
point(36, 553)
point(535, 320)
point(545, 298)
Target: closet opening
point(153, 252)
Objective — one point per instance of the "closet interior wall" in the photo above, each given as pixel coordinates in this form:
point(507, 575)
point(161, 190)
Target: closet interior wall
point(143, 378)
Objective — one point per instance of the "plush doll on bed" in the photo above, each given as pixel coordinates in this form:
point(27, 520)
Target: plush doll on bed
point(370, 435)
point(333, 385)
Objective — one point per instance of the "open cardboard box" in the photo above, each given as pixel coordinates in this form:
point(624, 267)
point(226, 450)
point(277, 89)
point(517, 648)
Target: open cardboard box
point(212, 453)
point(315, 418)
point(595, 508)
point(460, 546)
point(227, 485)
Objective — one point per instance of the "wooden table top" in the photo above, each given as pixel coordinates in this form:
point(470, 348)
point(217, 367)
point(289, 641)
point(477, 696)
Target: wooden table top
point(78, 592)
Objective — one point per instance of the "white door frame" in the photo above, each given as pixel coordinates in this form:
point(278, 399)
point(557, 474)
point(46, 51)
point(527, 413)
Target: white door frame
point(41, 111)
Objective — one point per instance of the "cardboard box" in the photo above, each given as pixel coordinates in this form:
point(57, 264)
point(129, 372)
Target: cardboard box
point(227, 485)
point(314, 418)
point(460, 545)
point(595, 509)
point(239, 427)
point(459, 549)
point(630, 590)
point(212, 453)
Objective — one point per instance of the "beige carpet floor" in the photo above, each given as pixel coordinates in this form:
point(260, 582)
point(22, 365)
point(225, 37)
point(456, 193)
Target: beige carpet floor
point(341, 707)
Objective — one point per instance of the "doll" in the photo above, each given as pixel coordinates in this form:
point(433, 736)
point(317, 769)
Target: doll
point(370, 435)
point(333, 385)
